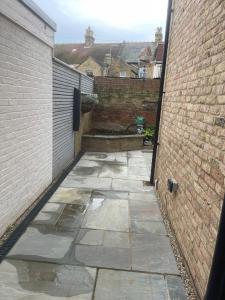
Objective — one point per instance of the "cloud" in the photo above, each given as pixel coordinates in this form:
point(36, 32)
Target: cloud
point(124, 14)
point(112, 21)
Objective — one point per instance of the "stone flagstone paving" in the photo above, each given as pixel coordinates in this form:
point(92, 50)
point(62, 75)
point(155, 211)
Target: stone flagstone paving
point(100, 236)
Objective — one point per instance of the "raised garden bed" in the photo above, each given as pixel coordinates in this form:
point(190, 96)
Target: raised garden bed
point(112, 142)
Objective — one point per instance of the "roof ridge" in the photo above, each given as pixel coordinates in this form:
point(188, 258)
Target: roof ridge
point(108, 43)
point(128, 51)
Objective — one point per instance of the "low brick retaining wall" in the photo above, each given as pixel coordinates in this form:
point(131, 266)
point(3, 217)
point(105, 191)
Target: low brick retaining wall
point(112, 143)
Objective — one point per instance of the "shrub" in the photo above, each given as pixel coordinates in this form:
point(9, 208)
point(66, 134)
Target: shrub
point(149, 133)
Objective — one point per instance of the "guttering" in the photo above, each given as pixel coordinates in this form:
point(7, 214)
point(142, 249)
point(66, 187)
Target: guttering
point(161, 91)
point(216, 283)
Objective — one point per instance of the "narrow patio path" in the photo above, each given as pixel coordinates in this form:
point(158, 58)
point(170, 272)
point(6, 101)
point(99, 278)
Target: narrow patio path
point(100, 237)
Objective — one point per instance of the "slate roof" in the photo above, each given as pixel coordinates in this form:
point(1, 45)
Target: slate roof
point(129, 52)
point(78, 53)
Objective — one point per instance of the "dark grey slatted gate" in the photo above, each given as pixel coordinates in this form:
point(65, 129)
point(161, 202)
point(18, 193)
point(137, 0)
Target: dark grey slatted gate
point(65, 80)
point(87, 84)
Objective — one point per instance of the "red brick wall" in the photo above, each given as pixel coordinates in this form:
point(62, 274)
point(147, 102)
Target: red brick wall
point(122, 99)
point(118, 83)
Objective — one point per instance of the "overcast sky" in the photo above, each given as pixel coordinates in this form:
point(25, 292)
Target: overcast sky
point(112, 21)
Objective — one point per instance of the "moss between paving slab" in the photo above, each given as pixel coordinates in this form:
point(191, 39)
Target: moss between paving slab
point(189, 286)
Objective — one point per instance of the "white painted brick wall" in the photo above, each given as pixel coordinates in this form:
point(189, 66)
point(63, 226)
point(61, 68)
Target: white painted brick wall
point(25, 114)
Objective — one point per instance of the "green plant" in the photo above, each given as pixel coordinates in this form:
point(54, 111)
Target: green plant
point(149, 133)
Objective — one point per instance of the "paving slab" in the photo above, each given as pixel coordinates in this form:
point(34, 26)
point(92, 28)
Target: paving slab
point(127, 185)
point(145, 211)
point(67, 216)
point(120, 161)
point(43, 244)
point(88, 163)
point(115, 239)
point(72, 216)
point(138, 173)
point(144, 205)
point(44, 281)
point(148, 227)
point(104, 215)
point(118, 195)
point(100, 256)
point(87, 182)
point(121, 157)
point(135, 153)
point(49, 214)
point(147, 196)
point(152, 253)
point(148, 160)
point(136, 161)
point(102, 156)
point(114, 171)
point(145, 215)
point(121, 154)
point(115, 163)
point(118, 285)
point(71, 196)
point(86, 171)
point(107, 215)
point(175, 287)
point(90, 237)
point(112, 239)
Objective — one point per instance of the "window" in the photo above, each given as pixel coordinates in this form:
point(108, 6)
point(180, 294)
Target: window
point(123, 74)
point(157, 71)
point(142, 72)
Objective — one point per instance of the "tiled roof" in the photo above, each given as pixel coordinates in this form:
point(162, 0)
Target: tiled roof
point(130, 52)
point(77, 53)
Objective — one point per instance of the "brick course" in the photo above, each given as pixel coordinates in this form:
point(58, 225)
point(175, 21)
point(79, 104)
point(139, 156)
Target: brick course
point(192, 132)
point(25, 110)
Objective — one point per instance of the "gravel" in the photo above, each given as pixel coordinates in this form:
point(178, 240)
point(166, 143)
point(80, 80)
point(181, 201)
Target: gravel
point(188, 282)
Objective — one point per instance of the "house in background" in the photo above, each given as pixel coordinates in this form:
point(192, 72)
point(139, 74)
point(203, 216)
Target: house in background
point(90, 67)
point(158, 59)
point(126, 59)
point(113, 67)
point(116, 67)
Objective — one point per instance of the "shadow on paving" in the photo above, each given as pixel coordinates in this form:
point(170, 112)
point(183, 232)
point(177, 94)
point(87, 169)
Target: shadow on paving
point(100, 236)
